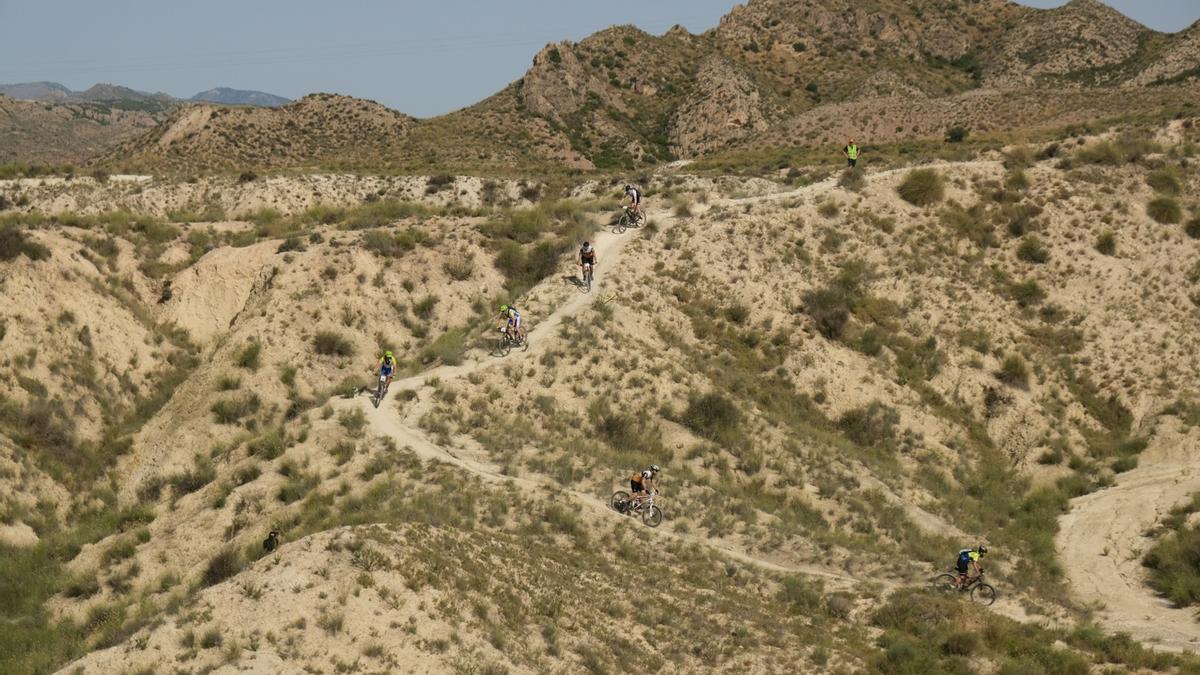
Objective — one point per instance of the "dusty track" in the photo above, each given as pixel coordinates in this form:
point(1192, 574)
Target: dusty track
point(1101, 542)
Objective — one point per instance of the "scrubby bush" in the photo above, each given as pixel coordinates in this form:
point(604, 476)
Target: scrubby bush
point(232, 410)
point(1027, 293)
point(957, 134)
point(247, 177)
point(14, 242)
point(1164, 210)
point(1193, 228)
point(393, 245)
point(190, 480)
point(1013, 371)
point(222, 566)
point(1031, 250)
point(423, 308)
point(872, 426)
point(852, 179)
point(922, 187)
point(1174, 571)
point(831, 305)
point(712, 416)
point(328, 343)
point(1165, 181)
point(1106, 243)
point(250, 356)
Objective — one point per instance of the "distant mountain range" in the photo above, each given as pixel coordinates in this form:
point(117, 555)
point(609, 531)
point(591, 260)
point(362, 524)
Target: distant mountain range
point(54, 92)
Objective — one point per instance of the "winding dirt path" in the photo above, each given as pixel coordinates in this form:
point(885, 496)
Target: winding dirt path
point(1101, 541)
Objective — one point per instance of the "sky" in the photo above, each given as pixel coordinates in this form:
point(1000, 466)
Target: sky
point(423, 58)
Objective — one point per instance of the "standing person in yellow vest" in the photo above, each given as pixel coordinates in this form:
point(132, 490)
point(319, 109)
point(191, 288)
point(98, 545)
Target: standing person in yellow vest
point(851, 153)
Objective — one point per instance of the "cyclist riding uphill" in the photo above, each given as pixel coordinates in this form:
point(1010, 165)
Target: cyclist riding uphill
point(587, 255)
point(644, 483)
point(968, 558)
point(513, 320)
point(635, 199)
point(387, 366)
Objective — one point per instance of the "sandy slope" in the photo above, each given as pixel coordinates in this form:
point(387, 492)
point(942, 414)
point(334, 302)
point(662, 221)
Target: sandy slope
point(1102, 539)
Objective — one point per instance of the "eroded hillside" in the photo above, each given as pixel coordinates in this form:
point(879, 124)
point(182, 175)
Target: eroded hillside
point(844, 382)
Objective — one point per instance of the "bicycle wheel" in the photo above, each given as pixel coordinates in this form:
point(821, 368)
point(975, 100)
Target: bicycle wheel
point(652, 516)
point(622, 223)
point(587, 279)
point(945, 583)
point(984, 594)
point(503, 346)
point(620, 501)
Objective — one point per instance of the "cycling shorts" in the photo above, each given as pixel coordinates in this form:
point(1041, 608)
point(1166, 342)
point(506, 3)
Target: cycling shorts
point(636, 487)
point(386, 371)
point(515, 321)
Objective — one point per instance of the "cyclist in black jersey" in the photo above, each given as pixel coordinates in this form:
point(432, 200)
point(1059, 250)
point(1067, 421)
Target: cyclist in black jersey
point(635, 199)
point(587, 257)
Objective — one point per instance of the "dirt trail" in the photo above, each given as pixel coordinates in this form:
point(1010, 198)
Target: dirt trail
point(1101, 541)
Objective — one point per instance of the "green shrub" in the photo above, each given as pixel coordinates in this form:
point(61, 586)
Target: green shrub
point(871, 426)
point(14, 242)
point(1013, 371)
point(1193, 228)
point(712, 416)
point(248, 357)
point(1164, 210)
point(852, 179)
point(229, 383)
point(1164, 181)
point(1174, 570)
point(393, 245)
point(1027, 293)
point(424, 307)
point(922, 187)
point(956, 134)
point(223, 565)
point(448, 348)
point(186, 482)
point(232, 410)
point(1031, 250)
point(1106, 243)
point(328, 343)
point(269, 445)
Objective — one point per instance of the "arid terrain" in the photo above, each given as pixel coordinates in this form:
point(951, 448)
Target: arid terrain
point(846, 376)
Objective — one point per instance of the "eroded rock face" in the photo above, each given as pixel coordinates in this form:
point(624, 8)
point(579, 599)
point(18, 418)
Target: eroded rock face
point(558, 85)
point(725, 106)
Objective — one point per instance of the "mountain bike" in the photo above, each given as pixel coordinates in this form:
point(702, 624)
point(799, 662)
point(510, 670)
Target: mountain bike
point(629, 218)
point(381, 389)
point(587, 277)
point(980, 592)
point(651, 514)
point(507, 341)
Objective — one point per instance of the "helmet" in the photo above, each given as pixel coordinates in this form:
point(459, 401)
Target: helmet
point(587, 244)
point(654, 468)
point(503, 308)
point(982, 548)
point(388, 354)
point(627, 186)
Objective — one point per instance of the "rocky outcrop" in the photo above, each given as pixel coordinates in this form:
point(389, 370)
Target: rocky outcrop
point(725, 106)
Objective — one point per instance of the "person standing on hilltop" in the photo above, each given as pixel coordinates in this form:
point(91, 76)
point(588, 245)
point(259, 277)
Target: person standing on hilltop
point(851, 153)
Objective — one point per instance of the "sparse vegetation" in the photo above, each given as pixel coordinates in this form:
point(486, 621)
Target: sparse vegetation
point(922, 187)
point(328, 343)
point(1164, 210)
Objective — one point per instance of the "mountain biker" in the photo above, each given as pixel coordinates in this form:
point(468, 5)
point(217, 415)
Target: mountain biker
point(513, 318)
point(635, 200)
point(969, 558)
point(387, 366)
point(643, 484)
point(587, 256)
point(851, 153)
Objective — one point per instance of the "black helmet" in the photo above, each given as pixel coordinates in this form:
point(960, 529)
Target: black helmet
point(982, 548)
point(628, 186)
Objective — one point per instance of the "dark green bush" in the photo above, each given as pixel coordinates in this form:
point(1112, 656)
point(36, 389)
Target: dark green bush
point(712, 416)
point(1106, 243)
point(956, 134)
point(223, 565)
point(1013, 371)
point(14, 242)
point(1027, 293)
point(232, 410)
point(1164, 210)
point(922, 187)
point(328, 343)
point(871, 426)
point(249, 356)
point(1031, 250)
point(1193, 228)
point(1164, 181)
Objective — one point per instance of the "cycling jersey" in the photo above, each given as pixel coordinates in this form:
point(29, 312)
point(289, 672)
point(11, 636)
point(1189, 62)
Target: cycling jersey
point(513, 316)
point(965, 558)
point(387, 365)
point(634, 194)
point(587, 255)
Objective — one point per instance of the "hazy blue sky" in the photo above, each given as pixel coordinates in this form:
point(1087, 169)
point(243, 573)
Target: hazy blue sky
point(423, 58)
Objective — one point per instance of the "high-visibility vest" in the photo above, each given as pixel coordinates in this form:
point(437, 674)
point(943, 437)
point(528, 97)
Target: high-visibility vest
point(852, 151)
